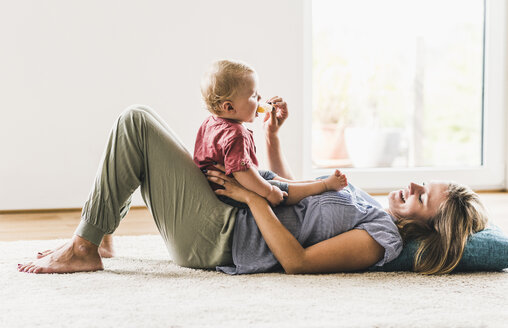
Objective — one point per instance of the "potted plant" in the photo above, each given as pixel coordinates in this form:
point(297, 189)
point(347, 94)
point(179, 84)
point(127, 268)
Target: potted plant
point(369, 140)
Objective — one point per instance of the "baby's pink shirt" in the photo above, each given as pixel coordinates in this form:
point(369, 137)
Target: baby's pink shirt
point(226, 142)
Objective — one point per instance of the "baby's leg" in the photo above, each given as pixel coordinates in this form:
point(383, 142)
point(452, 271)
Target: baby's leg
point(298, 191)
point(277, 178)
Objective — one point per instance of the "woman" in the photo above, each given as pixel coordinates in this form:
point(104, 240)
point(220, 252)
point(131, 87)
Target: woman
point(202, 232)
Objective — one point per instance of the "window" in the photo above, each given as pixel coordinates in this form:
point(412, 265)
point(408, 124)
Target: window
point(401, 88)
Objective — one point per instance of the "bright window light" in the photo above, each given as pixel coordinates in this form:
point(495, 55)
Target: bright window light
point(397, 83)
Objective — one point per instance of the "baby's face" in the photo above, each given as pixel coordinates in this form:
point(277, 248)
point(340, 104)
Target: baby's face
point(246, 102)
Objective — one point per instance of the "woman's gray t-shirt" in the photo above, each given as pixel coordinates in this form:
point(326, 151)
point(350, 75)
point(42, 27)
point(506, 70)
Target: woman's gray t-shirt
point(312, 220)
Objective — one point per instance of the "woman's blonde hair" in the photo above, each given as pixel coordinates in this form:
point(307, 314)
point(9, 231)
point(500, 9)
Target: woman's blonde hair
point(222, 82)
point(443, 237)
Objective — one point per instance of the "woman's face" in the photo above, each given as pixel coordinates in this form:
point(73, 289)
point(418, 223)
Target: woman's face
point(418, 202)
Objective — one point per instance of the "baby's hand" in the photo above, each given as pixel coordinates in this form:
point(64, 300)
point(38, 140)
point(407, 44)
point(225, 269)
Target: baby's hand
point(336, 181)
point(276, 196)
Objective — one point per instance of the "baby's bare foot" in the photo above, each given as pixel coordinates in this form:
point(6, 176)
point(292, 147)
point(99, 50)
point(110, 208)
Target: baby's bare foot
point(336, 181)
point(77, 255)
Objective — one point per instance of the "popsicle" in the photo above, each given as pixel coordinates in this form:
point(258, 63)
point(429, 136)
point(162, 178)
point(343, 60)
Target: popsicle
point(262, 108)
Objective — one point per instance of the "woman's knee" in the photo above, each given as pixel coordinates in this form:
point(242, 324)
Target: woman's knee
point(136, 111)
point(136, 116)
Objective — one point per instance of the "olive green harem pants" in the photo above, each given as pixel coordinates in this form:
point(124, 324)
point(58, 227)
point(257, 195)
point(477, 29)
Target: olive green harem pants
point(143, 151)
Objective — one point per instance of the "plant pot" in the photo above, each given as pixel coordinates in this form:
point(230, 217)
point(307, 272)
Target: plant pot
point(328, 142)
point(377, 147)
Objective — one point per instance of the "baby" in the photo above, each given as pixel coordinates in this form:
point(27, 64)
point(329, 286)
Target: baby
point(229, 90)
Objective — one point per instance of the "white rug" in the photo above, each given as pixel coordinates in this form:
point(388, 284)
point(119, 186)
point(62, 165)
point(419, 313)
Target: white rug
point(141, 287)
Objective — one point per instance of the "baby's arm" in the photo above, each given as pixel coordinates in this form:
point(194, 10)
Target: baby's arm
point(251, 180)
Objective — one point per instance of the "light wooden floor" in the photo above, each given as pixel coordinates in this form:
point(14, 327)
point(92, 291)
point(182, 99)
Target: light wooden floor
point(61, 224)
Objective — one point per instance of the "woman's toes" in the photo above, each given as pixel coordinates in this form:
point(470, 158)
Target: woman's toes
point(24, 266)
point(27, 269)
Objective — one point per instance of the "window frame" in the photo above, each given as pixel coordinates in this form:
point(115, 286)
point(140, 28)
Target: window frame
point(489, 176)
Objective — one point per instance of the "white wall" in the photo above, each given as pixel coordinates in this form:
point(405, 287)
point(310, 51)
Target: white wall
point(67, 69)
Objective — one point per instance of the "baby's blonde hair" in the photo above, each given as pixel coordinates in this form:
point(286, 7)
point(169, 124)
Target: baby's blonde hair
point(222, 82)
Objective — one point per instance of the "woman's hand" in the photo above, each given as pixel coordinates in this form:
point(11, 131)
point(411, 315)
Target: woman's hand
point(273, 121)
point(232, 188)
point(276, 118)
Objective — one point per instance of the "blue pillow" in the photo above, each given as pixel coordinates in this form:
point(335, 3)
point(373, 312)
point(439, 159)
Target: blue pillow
point(486, 250)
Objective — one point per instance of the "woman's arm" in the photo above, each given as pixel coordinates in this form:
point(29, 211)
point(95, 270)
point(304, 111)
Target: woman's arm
point(350, 251)
point(273, 120)
point(276, 159)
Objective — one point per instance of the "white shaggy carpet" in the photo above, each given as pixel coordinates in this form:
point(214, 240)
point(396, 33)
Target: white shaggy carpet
point(141, 287)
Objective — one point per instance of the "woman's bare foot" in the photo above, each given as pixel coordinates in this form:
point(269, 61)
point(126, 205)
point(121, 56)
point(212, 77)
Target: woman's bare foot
point(336, 181)
point(75, 256)
point(40, 255)
point(105, 249)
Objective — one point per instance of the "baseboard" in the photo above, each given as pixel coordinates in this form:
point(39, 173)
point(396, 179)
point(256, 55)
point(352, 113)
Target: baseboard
point(52, 210)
